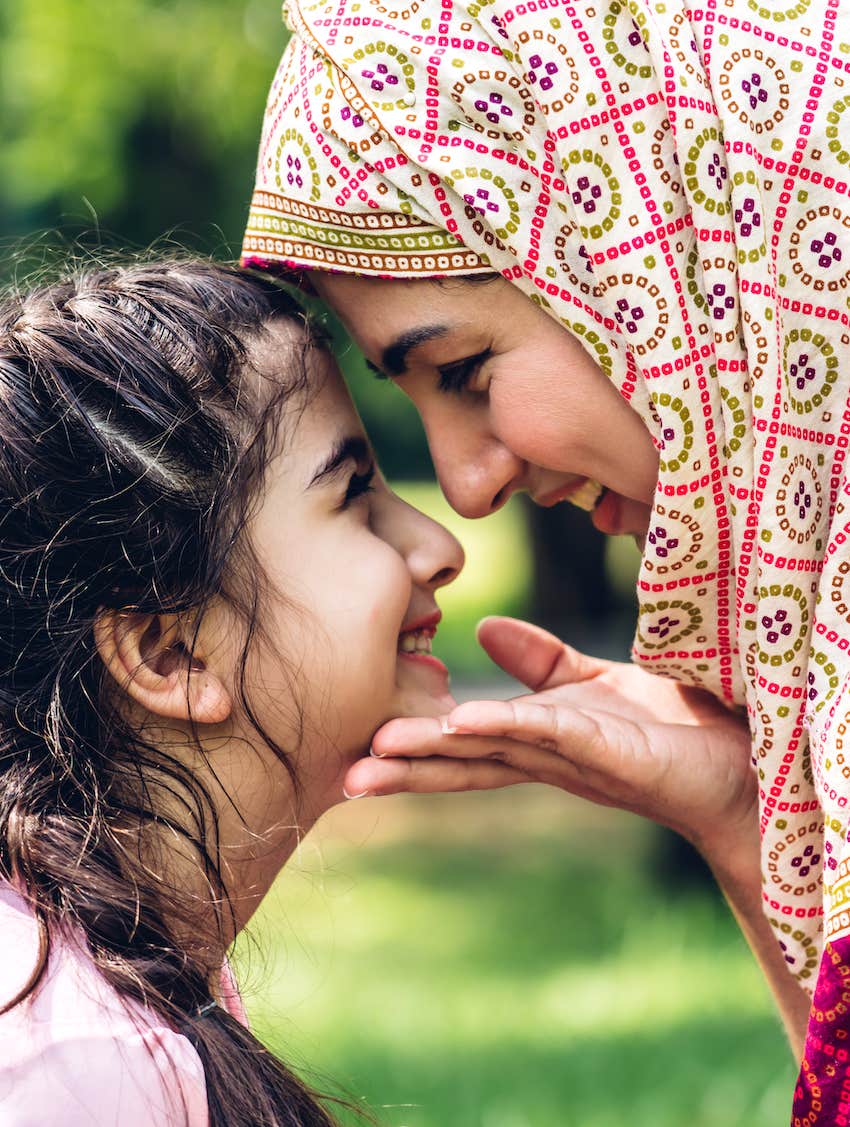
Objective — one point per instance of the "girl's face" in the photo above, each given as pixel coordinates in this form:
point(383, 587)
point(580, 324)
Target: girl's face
point(351, 574)
point(509, 399)
point(346, 609)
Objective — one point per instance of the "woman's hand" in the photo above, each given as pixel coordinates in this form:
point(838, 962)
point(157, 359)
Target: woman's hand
point(606, 731)
point(614, 734)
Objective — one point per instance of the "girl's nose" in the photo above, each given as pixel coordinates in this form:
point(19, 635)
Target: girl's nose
point(434, 556)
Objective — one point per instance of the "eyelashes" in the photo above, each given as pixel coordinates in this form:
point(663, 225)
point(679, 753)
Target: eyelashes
point(456, 378)
point(375, 370)
point(453, 378)
point(358, 485)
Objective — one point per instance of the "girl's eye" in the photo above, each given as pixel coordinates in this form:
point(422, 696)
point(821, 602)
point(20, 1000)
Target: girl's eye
point(358, 485)
point(457, 377)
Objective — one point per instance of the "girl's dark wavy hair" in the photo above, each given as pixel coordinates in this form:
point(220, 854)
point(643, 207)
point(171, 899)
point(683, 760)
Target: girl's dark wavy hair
point(131, 454)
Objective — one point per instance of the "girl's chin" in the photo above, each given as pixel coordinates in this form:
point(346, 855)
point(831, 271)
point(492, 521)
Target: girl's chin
point(419, 702)
point(422, 682)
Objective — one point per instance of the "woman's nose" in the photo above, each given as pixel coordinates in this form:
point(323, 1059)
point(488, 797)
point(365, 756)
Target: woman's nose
point(477, 477)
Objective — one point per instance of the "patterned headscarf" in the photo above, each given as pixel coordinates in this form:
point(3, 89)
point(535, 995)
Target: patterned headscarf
point(670, 183)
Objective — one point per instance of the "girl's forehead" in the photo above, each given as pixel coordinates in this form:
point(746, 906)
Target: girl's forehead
point(322, 403)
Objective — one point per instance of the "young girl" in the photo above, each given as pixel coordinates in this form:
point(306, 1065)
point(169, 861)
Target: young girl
point(209, 601)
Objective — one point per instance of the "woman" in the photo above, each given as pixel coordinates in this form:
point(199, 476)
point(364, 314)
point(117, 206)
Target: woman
point(181, 471)
point(643, 177)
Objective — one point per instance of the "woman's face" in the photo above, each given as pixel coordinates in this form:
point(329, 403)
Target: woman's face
point(350, 604)
point(509, 399)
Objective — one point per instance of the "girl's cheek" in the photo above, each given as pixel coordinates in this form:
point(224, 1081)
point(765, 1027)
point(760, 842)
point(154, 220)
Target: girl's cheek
point(386, 585)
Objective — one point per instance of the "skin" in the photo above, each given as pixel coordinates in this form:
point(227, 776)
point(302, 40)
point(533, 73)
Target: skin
point(538, 419)
point(615, 735)
point(535, 413)
point(344, 575)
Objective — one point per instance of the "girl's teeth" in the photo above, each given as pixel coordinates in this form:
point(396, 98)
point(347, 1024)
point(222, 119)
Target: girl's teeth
point(417, 642)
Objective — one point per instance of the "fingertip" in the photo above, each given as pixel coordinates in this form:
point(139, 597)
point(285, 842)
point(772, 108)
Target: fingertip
point(360, 794)
point(389, 725)
point(384, 739)
point(459, 719)
point(361, 779)
point(489, 620)
point(482, 622)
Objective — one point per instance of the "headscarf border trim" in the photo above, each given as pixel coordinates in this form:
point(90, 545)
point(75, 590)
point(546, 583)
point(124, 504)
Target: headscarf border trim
point(390, 244)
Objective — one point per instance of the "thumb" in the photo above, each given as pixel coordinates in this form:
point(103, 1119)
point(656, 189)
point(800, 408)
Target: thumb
point(533, 656)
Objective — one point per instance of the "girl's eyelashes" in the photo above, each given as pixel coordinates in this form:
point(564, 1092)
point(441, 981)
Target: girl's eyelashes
point(457, 377)
point(358, 485)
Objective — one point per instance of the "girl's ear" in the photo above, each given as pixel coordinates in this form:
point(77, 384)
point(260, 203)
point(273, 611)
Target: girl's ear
point(146, 655)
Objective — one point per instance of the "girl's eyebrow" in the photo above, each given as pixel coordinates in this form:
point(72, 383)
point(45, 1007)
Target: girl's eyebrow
point(351, 448)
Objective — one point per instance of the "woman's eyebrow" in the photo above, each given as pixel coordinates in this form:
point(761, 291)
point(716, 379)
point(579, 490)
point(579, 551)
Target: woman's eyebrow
point(352, 448)
point(394, 356)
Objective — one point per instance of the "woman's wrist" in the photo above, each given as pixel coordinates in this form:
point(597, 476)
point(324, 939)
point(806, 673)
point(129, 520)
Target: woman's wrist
point(732, 850)
point(733, 854)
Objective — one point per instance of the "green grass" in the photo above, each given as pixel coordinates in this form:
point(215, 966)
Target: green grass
point(509, 961)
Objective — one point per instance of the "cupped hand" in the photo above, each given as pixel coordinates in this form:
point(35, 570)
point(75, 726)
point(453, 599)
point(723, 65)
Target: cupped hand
point(607, 731)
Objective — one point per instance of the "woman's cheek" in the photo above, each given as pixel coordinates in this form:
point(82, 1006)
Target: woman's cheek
point(538, 432)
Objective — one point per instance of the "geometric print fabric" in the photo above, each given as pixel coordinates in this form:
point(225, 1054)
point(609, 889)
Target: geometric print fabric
point(671, 184)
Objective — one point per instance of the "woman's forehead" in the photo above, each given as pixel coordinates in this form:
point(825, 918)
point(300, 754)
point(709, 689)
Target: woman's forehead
point(376, 309)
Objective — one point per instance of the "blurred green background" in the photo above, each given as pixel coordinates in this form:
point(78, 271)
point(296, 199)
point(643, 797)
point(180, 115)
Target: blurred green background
point(513, 959)
point(509, 960)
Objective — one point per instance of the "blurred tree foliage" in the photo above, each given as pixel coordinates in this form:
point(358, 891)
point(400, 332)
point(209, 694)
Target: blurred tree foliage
point(127, 120)
point(124, 121)
point(143, 113)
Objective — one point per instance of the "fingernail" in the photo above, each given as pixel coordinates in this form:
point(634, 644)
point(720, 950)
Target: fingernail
point(375, 754)
point(351, 797)
point(446, 727)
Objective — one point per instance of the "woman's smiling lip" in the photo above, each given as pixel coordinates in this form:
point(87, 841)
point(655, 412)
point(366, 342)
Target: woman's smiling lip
point(547, 500)
point(607, 516)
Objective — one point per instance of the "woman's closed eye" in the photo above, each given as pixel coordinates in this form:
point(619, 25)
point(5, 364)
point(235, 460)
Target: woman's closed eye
point(461, 374)
point(359, 484)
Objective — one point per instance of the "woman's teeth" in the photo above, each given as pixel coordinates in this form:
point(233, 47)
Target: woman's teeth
point(416, 642)
point(587, 495)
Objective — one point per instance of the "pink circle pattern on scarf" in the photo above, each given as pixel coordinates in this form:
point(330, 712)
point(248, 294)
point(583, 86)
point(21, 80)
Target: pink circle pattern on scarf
point(671, 184)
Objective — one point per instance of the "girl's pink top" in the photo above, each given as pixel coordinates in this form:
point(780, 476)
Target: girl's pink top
point(75, 1054)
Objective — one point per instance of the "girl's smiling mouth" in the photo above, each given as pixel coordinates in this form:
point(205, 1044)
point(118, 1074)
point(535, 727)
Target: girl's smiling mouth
point(414, 641)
